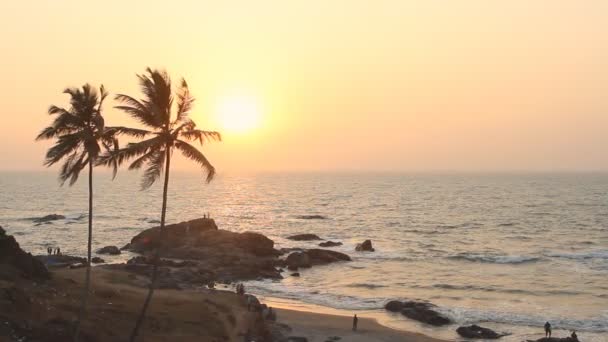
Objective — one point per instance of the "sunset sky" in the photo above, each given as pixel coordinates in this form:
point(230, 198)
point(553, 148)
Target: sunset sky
point(322, 85)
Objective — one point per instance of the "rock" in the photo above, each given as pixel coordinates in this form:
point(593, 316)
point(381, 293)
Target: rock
point(97, 260)
point(555, 339)
point(330, 244)
point(48, 218)
point(175, 235)
point(394, 306)
point(311, 217)
point(324, 256)
point(475, 331)
point(296, 260)
point(295, 274)
point(366, 246)
point(304, 237)
point(14, 260)
point(423, 312)
point(111, 250)
point(60, 261)
point(297, 339)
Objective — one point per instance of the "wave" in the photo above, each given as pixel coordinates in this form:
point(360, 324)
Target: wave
point(366, 286)
point(495, 259)
point(311, 217)
point(594, 254)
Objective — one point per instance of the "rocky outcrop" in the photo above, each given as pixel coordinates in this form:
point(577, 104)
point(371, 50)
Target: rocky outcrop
point(48, 218)
point(556, 339)
point(365, 246)
point(97, 260)
point(420, 311)
point(111, 250)
point(330, 244)
point(60, 261)
point(304, 237)
point(475, 331)
point(175, 235)
point(14, 261)
point(310, 257)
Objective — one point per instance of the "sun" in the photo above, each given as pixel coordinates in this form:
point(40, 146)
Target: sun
point(238, 113)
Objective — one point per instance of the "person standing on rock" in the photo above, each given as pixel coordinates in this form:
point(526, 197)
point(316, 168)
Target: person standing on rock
point(355, 321)
point(547, 329)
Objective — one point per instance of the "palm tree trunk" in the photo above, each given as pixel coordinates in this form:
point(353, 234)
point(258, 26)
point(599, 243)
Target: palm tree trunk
point(87, 282)
point(157, 255)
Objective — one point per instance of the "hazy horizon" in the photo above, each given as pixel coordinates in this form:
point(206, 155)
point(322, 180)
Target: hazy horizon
point(344, 86)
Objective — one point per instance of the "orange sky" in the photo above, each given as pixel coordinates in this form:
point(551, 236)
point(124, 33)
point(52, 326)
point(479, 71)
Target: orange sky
point(341, 85)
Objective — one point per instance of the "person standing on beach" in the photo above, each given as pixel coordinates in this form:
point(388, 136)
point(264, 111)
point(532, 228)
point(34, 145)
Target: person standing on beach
point(547, 329)
point(355, 321)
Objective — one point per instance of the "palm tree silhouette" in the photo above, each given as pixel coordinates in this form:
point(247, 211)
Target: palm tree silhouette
point(166, 134)
point(80, 134)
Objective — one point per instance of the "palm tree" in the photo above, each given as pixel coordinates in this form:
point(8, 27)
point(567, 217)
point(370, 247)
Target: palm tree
point(166, 134)
point(80, 133)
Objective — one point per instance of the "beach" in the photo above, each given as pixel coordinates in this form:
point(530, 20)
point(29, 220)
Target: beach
point(318, 327)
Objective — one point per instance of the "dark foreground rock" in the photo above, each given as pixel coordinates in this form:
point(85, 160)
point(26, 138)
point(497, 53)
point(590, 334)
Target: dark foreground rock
point(111, 250)
point(330, 244)
point(97, 260)
point(60, 261)
point(419, 311)
point(556, 339)
point(304, 237)
point(475, 331)
point(14, 261)
point(365, 246)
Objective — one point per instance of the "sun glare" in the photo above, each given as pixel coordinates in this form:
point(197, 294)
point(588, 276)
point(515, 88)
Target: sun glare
point(238, 113)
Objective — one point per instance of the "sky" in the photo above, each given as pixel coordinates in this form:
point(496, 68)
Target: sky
point(470, 85)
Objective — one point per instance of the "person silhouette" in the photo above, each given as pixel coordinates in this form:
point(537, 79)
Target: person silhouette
point(355, 321)
point(547, 329)
point(574, 336)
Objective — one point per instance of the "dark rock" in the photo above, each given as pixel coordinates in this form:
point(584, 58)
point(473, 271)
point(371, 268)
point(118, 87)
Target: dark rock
point(555, 339)
point(14, 259)
point(475, 331)
point(330, 244)
point(297, 339)
point(423, 312)
point(324, 256)
point(97, 260)
point(311, 217)
point(48, 218)
point(111, 250)
point(175, 235)
point(295, 274)
point(304, 237)
point(394, 306)
point(60, 261)
point(296, 260)
point(366, 246)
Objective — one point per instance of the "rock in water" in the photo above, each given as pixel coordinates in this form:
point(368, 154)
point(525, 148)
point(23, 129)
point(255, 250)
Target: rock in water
point(324, 256)
point(366, 246)
point(112, 250)
point(422, 312)
point(330, 244)
point(15, 261)
point(394, 306)
point(311, 217)
point(304, 237)
point(176, 234)
point(97, 260)
point(296, 260)
point(475, 331)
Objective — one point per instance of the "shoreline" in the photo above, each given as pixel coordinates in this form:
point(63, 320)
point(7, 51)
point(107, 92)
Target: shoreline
point(322, 327)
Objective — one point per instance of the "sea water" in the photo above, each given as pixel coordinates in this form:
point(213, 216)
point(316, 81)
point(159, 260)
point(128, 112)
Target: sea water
point(508, 251)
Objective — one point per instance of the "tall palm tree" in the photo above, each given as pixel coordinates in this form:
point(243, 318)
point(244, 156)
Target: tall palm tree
point(166, 133)
point(80, 134)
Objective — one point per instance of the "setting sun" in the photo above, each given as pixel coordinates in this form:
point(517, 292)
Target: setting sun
point(238, 113)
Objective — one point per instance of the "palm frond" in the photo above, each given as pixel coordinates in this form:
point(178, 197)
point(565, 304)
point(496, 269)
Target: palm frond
point(131, 150)
point(65, 145)
point(133, 132)
point(137, 110)
point(192, 153)
point(156, 164)
point(185, 102)
point(201, 135)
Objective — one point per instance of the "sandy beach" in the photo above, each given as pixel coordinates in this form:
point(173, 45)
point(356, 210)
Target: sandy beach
point(317, 327)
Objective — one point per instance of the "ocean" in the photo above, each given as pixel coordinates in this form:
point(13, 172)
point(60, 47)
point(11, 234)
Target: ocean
point(510, 251)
